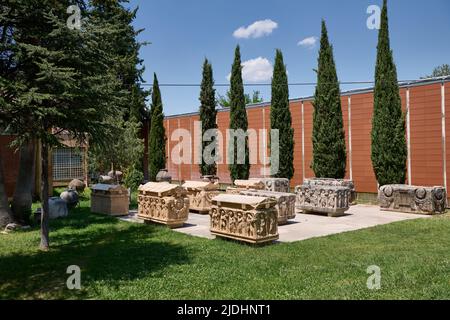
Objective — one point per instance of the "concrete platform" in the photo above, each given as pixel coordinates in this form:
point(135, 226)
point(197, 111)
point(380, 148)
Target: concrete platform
point(306, 226)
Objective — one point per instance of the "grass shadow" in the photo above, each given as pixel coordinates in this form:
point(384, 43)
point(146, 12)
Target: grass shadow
point(106, 253)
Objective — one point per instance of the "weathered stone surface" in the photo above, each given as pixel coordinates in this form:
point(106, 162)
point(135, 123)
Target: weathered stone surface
point(210, 178)
point(412, 199)
point(70, 197)
point(163, 203)
point(163, 176)
point(57, 208)
point(285, 203)
point(110, 199)
point(332, 200)
point(105, 180)
point(200, 194)
point(333, 182)
point(117, 178)
point(275, 184)
point(242, 185)
point(244, 218)
point(77, 185)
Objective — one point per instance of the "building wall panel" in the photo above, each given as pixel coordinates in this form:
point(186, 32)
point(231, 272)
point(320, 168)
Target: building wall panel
point(426, 135)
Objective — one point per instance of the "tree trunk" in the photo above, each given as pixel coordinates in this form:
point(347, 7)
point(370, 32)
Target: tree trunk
point(45, 242)
point(22, 199)
point(5, 211)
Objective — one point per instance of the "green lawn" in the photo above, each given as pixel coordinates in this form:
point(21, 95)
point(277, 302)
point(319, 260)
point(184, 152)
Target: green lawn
point(128, 261)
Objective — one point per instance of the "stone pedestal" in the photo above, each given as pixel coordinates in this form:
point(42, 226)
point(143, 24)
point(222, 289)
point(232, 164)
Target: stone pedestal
point(200, 194)
point(243, 185)
point(110, 199)
point(331, 200)
point(412, 199)
point(334, 182)
point(275, 184)
point(285, 203)
point(163, 203)
point(244, 218)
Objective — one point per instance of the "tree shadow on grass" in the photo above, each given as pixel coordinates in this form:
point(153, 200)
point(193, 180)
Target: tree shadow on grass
point(106, 255)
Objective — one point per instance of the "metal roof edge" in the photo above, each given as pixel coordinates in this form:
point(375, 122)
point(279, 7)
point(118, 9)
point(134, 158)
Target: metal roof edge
point(416, 83)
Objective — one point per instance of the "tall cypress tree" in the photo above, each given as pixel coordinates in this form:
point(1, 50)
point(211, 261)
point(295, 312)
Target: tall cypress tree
point(280, 118)
point(238, 120)
point(208, 114)
point(157, 140)
point(389, 151)
point(329, 151)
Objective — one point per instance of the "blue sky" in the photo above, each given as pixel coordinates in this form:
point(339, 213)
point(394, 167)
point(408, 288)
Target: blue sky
point(183, 33)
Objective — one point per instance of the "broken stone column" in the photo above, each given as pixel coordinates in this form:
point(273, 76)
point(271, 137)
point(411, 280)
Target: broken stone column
point(412, 199)
point(285, 203)
point(163, 203)
point(244, 218)
point(200, 194)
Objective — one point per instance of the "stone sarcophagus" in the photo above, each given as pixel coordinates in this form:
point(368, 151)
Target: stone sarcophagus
point(334, 182)
point(412, 199)
point(244, 218)
point(275, 184)
point(163, 203)
point(243, 185)
point(110, 199)
point(285, 203)
point(200, 194)
point(332, 200)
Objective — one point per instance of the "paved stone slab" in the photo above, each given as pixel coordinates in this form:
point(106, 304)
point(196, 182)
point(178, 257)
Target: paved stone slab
point(306, 226)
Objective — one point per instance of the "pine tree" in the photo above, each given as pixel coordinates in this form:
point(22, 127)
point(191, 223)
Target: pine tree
point(58, 78)
point(329, 151)
point(238, 154)
point(125, 148)
point(157, 140)
point(280, 118)
point(208, 114)
point(389, 151)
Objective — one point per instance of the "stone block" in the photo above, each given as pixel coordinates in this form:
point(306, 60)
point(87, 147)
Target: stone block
point(285, 203)
point(332, 200)
point(244, 218)
point(412, 199)
point(163, 203)
point(57, 208)
point(242, 185)
point(200, 194)
point(275, 184)
point(334, 182)
point(110, 199)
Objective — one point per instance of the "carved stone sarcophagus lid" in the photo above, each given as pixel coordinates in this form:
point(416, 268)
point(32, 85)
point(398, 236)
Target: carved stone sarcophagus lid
point(275, 184)
point(241, 185)
point(164, 203)
point(285, 203)
point(332, 200)
point(110, 199)
point(245, 218)
point(412, 199)
point(200, 194)
point(333, 182)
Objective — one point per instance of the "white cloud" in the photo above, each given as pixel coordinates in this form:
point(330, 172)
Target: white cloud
point(256, 70)
point(256, 29)
point(309, 42)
